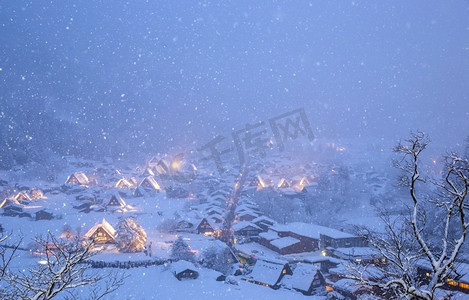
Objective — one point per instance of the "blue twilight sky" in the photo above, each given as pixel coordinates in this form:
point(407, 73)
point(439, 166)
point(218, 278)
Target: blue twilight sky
point(176, 73)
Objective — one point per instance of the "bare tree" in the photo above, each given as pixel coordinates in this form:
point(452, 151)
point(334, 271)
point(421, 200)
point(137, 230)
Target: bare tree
point(63, 271)
point(7, 253)
point(405, 244)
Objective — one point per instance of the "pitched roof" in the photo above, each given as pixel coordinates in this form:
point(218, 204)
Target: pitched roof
point(182, 265)
point(22, 195)
point(123, 183)
point(310, 230)
point(267, 272)
point(283, 183)
point(269, 235)
point(245, 224)
point(162, 167)
point(116, 200)
point(303, 276)
point(80, 177)
point(284, 242)
point(150, 182)
point(264, 219)
point(104, 225)
point(9, 201)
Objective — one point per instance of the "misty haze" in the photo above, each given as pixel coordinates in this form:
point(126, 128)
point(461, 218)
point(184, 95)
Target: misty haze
point(234, 149)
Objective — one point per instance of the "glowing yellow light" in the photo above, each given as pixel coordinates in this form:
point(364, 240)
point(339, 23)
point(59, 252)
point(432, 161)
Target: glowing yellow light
point(175, 165)
point(451, 282)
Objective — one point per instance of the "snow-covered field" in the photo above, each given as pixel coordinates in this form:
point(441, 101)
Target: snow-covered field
point(157, 282)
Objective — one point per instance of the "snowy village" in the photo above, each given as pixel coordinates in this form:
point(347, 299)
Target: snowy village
point(239, 231)
point(234, 150)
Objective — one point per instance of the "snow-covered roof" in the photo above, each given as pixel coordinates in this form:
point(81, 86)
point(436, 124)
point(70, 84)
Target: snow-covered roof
point(269, 235)
point(212, 223)
point(9, 201)
point(256, 249)
point(244, 224)
point(263, 219)
point(217, 198)
point(81, 178)
point(266, 272)
point(117, 197)
point(104, 225)
point(216, 209)
point(123, 183)
point(182, 265)
point(221, 192)
point(22, 195)
point(283, 183)
point(356, 252)
point(284, 242)
point(148, 172)
point(150, 182)
point(303, 276)
point(248, 213)
point(310, 230)
point(245, 208)
point(346, 284)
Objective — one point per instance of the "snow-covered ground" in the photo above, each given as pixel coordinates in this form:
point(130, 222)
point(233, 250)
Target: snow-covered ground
point(157, 282)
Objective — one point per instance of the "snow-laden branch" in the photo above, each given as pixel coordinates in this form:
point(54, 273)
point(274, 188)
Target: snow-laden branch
point(406, 246)
point(64, 271)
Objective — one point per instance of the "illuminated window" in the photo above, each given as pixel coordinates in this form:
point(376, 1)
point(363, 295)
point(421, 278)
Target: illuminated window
point(427, 274)
point(451, 282)
point(284, 271)
point(464, 285)
point(329, 288)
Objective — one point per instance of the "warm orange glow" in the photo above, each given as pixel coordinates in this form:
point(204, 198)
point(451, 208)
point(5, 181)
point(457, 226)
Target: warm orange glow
point(261, 183)
point(464, 285)
point(175, 165)
point(451, 282)
point(329, 288)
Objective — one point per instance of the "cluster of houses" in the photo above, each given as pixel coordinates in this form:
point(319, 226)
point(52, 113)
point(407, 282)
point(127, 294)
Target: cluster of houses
point(307, 258)
point(206, 216)
point(23, 204)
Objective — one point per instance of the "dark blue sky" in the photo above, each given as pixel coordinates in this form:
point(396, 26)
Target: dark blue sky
point(169, 73)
